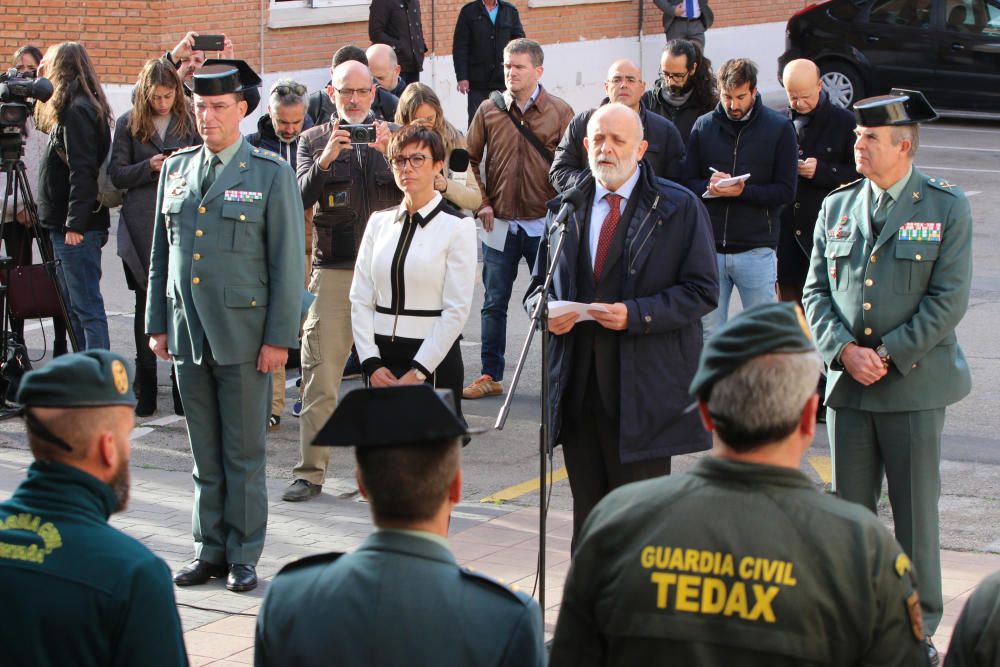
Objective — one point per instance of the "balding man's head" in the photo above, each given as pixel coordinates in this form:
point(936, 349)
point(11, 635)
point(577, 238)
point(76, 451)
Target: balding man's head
point(614, 144)
point(801, 79)
point(624, 84)
point(384, 65)
point(353, 91)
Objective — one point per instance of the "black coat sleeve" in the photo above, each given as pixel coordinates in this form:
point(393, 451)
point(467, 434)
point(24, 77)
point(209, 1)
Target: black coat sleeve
point(785, 177)
point(696, 176)
point(517, 30)
point(378, 23)
point(460, 45)
point(674, 152)
point(87, 142)
point(832, 174)
point(125, 172)
point(570, 158)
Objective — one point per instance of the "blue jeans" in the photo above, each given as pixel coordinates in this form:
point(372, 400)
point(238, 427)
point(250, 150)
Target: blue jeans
point(499, 272)
point(79, 272)
point(754, 273)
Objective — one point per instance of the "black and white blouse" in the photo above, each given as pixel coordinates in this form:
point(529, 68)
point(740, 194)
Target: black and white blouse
point(414, 279)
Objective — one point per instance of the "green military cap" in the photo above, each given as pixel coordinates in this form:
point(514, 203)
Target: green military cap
point(899, 107)
point(765, 329)
point(392, 416)
point(94, 378)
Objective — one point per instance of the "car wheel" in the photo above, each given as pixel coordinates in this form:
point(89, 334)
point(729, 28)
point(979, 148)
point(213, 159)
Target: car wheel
point(842, 83)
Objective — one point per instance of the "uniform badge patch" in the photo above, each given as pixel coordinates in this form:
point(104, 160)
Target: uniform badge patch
point(916, 617)
point(242, 196)
point(902, 565)
point(119, 376)
point(920, 231)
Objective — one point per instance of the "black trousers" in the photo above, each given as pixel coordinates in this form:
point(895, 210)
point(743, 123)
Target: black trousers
point(593, 458)
point(144, 357)
point(450, 374)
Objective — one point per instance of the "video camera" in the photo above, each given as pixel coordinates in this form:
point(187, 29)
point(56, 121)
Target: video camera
point(18, 93)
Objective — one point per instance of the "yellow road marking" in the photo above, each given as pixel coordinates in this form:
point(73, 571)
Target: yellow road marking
point(523, 488)
point(822, 465)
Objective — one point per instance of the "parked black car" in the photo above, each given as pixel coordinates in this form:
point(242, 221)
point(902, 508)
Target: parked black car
point(949, 49)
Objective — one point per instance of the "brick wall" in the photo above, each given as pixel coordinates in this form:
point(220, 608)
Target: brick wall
point(122, 34)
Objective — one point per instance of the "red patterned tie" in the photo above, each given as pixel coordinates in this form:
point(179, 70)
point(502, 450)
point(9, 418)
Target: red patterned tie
point(607, 233)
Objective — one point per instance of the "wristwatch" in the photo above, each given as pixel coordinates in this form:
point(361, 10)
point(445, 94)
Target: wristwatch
point(419, 374)
point(883, 354)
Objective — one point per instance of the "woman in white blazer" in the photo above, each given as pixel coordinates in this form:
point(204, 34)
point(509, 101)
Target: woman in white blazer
point(414, 276)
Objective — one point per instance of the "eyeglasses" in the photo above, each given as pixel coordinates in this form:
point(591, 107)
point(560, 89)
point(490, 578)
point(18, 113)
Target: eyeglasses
point(675, 76)
point(416, 161)
point(283, 89)
point(348, 93)
point(619, 80)
point(217, 107)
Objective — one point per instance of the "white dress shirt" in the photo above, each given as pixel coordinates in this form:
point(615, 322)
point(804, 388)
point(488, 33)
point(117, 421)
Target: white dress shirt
point(601, 208)
point(432, 301)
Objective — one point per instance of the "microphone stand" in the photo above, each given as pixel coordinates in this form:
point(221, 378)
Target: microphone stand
point(540, 322)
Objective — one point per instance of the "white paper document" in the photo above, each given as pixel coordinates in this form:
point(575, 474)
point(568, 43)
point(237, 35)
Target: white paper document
point(558, 308)
point(725, 183)
point(497, 238)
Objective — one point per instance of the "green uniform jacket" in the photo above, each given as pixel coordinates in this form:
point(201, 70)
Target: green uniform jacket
point(976, 639)
point(75, 590)
point(907, 289)
point(399, 600)
point(227, 266)
point(736, 564)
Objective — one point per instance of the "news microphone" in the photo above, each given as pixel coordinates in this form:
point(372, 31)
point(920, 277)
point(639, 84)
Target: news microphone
point(572, 199)
point(458, 165)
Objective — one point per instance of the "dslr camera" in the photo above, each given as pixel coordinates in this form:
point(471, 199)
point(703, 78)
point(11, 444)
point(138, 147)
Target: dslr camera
point(18, 94)
point(360, 134)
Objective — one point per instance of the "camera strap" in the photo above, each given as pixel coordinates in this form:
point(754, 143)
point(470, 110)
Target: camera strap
point(498, 100)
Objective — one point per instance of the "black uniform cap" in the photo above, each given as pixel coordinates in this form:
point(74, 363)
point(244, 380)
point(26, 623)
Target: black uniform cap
point(764, 329)
point(220, 76)
point(392, 416)
point(899, 107)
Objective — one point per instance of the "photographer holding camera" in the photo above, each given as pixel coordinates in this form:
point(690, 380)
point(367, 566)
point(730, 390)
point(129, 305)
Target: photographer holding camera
point(17, 232)
point(78, 120)
point(344, 176)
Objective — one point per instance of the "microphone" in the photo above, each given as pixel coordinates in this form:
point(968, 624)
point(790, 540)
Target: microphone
point(458, 165)
point(572, 199)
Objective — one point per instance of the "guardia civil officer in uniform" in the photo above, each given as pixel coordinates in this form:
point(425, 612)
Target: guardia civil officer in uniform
point(888, 283)
point(741, 561)
point(975, 642)
point(225, 291)
point(400, 599)
point(76, 591)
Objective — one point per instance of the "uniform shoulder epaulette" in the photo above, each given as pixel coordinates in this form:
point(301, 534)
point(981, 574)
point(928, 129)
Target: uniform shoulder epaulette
point(845, 186)
point(498, 586)
point(944, 185)
point(265, 154)
point(309, 561)
point(186, 149)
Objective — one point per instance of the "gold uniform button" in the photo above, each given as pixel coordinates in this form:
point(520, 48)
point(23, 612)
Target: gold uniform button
point(867, 306)
point(914, 366)
point(868, 331)
point(197, 256)
point(242, 217)
point(918, 257)
point(253, 303)
point(202, 209)
point(196, 280)
point(869, 282)
point(873, 259)
point(198, 232)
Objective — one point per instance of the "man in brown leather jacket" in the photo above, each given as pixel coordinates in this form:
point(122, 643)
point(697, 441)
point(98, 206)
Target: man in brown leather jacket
point(343, 182)
point(521, 140)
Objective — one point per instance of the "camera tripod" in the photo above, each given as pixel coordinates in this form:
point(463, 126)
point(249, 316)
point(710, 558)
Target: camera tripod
point(18, 196)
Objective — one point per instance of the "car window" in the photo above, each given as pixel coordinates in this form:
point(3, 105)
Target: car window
point(973, 16)
point(907, 13)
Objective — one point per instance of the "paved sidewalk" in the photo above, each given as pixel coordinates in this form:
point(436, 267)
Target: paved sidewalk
point(498, 540)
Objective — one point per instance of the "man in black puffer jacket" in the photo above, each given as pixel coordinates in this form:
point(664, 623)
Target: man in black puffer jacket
point(742, 137)
point(286, 120)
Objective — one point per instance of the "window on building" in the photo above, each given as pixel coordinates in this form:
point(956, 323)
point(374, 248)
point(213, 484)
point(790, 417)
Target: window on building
point(294, 13)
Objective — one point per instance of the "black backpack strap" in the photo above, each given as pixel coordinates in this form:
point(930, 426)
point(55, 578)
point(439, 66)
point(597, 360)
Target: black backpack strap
point(501, 104)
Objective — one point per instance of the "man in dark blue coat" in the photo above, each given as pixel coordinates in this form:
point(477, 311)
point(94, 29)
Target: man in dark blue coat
point(641, 252)
point(742, 137)
point(664, 144)
point(483, 29)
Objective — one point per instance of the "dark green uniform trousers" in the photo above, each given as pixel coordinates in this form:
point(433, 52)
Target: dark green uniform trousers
point(227, 407)
point(904, 447)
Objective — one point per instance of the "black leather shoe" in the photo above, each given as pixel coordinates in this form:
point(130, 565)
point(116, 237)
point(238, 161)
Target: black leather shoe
point(241, 578)
point(198, 572)
point(300, 490)
point(933, 657)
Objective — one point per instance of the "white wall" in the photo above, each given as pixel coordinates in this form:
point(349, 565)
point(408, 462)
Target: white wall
point(574, 71)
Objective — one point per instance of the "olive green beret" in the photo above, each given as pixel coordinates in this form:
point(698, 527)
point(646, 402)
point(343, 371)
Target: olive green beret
point(88, 379)
point(764, 329)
